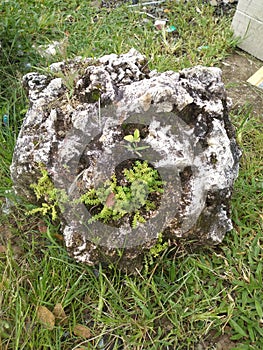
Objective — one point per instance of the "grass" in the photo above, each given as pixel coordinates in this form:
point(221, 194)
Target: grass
point(184, 298)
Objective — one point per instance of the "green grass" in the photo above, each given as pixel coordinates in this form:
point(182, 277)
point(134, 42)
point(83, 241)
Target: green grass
point(183, 297)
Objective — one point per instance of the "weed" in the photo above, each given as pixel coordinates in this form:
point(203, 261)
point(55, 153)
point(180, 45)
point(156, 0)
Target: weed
point(50, 197)
point(114, 201)
point(134, 140)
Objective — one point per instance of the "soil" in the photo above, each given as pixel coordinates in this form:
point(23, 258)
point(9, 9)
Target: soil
point(237, 68)
point(222, 342)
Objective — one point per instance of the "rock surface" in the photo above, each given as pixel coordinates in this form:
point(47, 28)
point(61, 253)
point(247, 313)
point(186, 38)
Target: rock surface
point(75, 127)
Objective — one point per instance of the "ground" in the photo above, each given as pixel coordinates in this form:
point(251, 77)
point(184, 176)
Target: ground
point(237, 68)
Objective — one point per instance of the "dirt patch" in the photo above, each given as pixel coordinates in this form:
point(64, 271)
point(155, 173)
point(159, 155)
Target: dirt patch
point(212, 341)
point(237, 68)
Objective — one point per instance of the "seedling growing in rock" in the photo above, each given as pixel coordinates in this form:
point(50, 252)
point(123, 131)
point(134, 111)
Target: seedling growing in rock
point(133, 142)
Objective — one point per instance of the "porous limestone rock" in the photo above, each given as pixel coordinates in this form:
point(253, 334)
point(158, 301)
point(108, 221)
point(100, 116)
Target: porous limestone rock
point(78, 116)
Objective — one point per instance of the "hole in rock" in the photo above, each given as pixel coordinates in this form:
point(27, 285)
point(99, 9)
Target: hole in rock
point(132, 195)
point(129, 128)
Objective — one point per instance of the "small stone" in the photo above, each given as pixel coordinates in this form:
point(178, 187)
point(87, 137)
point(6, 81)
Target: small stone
point(213, 2)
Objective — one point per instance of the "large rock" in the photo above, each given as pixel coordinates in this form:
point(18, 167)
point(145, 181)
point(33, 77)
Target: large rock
point(78, 117)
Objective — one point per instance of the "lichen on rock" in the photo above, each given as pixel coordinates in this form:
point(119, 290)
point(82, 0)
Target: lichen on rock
point(77, 124)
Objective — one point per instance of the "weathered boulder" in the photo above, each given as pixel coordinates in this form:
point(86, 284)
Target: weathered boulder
point(76, 129)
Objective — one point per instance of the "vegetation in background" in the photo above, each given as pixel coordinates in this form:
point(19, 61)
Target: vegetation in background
point(185, 298)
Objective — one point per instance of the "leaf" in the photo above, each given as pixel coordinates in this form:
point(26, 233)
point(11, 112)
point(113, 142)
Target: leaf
point(251, 333)
point(2, 249)
point(82, 331)
point(59, 237)
point(141, 148)
point(237, 328)
point(42, 227)
point(46, 317)
point(60, 314)
point(136, 134)
point(110, 201)
point(129, 138)
point(259, 308)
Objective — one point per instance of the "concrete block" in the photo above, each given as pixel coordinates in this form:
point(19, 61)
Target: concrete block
point(248, 25)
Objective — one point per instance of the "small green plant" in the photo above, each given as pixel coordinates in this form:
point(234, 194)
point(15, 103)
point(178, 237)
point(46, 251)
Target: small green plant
point(114, 201)
point(50, 196)
point(155, 252)
point(133, 142)
point(159, 247)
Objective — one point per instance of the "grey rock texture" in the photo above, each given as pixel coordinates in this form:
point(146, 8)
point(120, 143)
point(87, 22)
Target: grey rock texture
point(75, 126)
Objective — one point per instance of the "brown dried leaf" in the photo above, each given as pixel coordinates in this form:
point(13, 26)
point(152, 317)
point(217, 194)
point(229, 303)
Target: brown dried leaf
point(42, 227)
point(110, 201)
point(46, 317)
point(18, 251)
point(59, 237)
point(5, 232)
point(2, 249)
point(60, 314)
point(82, 331)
